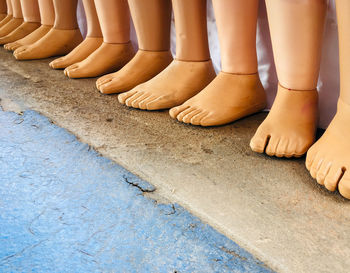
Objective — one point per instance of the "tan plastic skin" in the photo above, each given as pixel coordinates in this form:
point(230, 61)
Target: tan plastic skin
point(60, 40)
point(189, 73)
point(116, 49)
point(296, 32)
point(328, 160)
point(31, 15)
point(152, 21)
point(237, 91)
point(9, 14)
point(92, 41)
point(15, 21)
point(47, 15)
point(3, 10)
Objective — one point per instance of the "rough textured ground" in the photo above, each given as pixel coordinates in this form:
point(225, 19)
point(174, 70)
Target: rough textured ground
point(269, 206)
point(64, 208)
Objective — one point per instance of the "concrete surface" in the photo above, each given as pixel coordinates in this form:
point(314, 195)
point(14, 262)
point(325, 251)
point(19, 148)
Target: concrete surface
point(65, 208)
point(269, 206)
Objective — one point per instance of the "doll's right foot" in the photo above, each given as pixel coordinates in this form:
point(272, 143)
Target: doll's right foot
point(143, 67)
point(56, 42)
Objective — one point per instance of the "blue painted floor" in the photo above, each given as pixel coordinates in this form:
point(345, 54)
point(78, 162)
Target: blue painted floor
point(64, 208)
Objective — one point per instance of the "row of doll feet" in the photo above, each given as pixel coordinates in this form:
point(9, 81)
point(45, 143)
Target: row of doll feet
point(153, 80)
point(200, 98)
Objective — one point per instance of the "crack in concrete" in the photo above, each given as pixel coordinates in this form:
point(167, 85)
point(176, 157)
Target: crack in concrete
point(5, 259)
point(144, 190)
point(233, 253)
point(173, 210)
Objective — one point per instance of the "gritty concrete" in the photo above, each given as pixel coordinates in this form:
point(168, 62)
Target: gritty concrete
point(65, 208)
point(270, 206)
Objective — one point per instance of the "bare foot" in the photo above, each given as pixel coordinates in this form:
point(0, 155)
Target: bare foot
point(290, 127)
point(29, 39)
point(55, 42)
point(227, 98)
point(5, 20)
point(81, 52)
point(107, 58)
point(328, 160)
point(143, 67)
point(178, 82)
point(10, 26)
point(23, 30)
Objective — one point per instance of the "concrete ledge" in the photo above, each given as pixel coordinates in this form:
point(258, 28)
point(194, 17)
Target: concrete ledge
point(269, 206)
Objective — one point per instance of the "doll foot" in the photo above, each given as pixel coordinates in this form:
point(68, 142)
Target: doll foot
point(290, 127)
point(107, 58)
point(55, 42)
point(10, 26)
point(5, 20)
point(227, 98)
point(2, 16)
point(143, 67)
point(328, 160)
point(78, 54)
point(29, 39)
point(177, 83)
point(23, 30)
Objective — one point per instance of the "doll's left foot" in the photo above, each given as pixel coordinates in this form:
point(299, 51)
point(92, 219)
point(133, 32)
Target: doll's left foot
point(177, 83)
point(328, 160)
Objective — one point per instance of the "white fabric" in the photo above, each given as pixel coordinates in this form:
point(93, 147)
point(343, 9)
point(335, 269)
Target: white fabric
point(328, 84)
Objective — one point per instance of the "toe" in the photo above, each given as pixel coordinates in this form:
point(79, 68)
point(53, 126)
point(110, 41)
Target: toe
point(332, 178)
point(108, 87)
point(291, 150)
point(183, 113)
point(323, 171)
point(104, 79)
point(143, 103)
point(190, 115)
point(310, 156)
point(56, 63)
point(157, 103)
point(344, 185)
point(123, 97)
point(210, 120)
point(102, 87)
point(176, 110)
point(259, 141)
point(282, 147)
point(196, 119)
point(136, 102)
point(316, 166)
point(130, 100)
point(272, 145)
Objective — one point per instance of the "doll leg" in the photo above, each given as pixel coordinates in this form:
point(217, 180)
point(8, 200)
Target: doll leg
point(92, 41)
point(9, 14)
point(152, 20)
point(116, 49)
point(189, 73)
point(296, 33)
point(16, 20)
point(3, 10)
point(47, 15)
point(60, 40)
point(31, 15)
point(328, 160)
point(236, 92)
